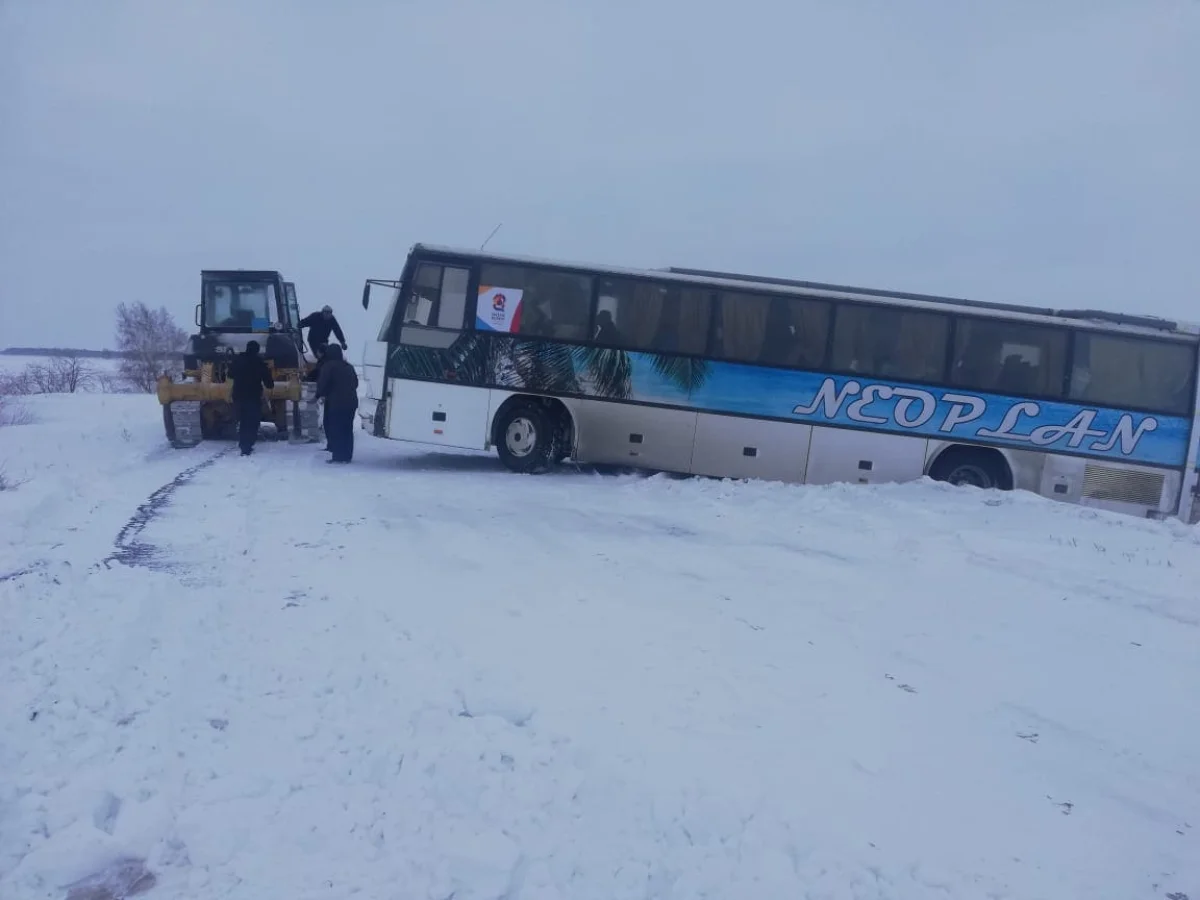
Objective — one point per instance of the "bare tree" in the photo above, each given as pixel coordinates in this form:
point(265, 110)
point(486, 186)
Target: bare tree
point(16, 384)
point(110, 383)
point(62, 375)
point(150, 343)
point(74, 374)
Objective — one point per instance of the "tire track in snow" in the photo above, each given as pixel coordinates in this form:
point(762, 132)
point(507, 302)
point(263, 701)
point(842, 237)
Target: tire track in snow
point(22, 572)
point(128, 549)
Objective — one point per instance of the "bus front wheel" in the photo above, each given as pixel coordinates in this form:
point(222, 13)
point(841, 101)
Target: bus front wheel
point(967, 466)
point(525, 438)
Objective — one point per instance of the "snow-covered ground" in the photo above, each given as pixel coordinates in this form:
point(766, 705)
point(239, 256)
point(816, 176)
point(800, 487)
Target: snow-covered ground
point(421, 676)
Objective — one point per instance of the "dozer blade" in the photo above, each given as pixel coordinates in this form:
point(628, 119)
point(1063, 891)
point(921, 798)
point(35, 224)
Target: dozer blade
point(219, 392)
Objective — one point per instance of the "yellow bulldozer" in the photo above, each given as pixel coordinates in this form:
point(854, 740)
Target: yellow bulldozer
point(237, 306)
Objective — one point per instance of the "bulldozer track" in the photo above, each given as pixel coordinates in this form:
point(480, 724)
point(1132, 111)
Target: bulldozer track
point(185, 428)
point(128, 549)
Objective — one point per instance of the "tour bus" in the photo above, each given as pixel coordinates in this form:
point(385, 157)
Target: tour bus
point(741, 376)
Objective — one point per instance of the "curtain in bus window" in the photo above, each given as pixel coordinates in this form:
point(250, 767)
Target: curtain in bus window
point(453, 305)
point(743, 325)
point(1129, 372)
point(692, 330)
point(900, 344)
point(644, 315)
point(634, 311)
point(1009, 357)
point(795, 333)
point(556, 305)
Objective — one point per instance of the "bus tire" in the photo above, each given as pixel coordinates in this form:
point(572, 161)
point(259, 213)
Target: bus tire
point(526, 438)
point(980, 467)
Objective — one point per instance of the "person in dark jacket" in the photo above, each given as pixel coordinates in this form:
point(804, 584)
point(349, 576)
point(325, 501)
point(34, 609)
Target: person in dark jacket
point(338, 387)
point(319, 325)
point(250, 374)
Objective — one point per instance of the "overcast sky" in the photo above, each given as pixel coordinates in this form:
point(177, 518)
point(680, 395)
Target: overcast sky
point(1040, 151)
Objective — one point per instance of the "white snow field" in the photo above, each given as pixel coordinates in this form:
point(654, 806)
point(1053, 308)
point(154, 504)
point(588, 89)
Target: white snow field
point(421, 676)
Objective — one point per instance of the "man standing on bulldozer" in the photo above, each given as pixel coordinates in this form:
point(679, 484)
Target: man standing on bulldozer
point(319, 325)
point(250, 374)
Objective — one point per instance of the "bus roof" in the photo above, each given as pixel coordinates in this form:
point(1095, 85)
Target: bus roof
point(1133, 324)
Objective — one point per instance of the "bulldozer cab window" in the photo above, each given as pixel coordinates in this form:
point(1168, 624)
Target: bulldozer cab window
point(292, 308)
point(247, 306)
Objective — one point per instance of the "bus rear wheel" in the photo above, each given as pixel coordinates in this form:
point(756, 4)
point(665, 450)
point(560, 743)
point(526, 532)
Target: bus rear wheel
point(965, 466)
point(525, 438)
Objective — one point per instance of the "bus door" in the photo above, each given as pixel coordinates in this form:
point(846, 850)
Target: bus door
point(432, 407)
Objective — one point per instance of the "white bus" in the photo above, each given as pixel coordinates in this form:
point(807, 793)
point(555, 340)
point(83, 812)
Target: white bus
point(739, 376)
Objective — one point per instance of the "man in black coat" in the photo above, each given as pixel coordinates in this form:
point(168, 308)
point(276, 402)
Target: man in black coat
point(319, 325)
point(338, 387)
point(250, 374)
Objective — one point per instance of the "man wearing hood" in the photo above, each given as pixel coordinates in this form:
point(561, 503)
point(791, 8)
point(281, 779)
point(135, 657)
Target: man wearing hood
point(250, 374)
point(337, 385)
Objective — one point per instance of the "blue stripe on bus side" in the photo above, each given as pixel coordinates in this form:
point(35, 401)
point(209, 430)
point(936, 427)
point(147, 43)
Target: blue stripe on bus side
point(942, 413)
point(843, 401)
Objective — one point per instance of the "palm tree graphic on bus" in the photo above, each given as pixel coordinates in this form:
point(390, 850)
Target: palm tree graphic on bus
point(497, 354)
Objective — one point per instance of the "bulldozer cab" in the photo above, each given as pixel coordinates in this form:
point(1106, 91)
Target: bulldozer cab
point(242, 305)
point(246, 302)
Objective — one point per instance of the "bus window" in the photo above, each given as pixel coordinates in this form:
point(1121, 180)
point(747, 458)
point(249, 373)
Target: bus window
point(643, 315)
point(691, 328)
point(796, 333)
point(557, 305)
point(1130, 372)
point(438, 296)
point(628, 313)
point(553, 304)
point(741, 326)
point(453, 307)
point(903, 344)
point(427, 284)
point(771, 331)
point(1009, 358)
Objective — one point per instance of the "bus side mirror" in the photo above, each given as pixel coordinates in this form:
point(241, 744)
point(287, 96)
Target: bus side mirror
point(366, 294)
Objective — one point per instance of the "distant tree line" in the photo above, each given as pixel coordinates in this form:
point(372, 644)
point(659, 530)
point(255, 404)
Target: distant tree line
point(81, 353)
point(149, 343)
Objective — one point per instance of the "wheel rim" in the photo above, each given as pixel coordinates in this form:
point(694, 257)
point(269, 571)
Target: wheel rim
point(971, 475)
point(521, 437)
